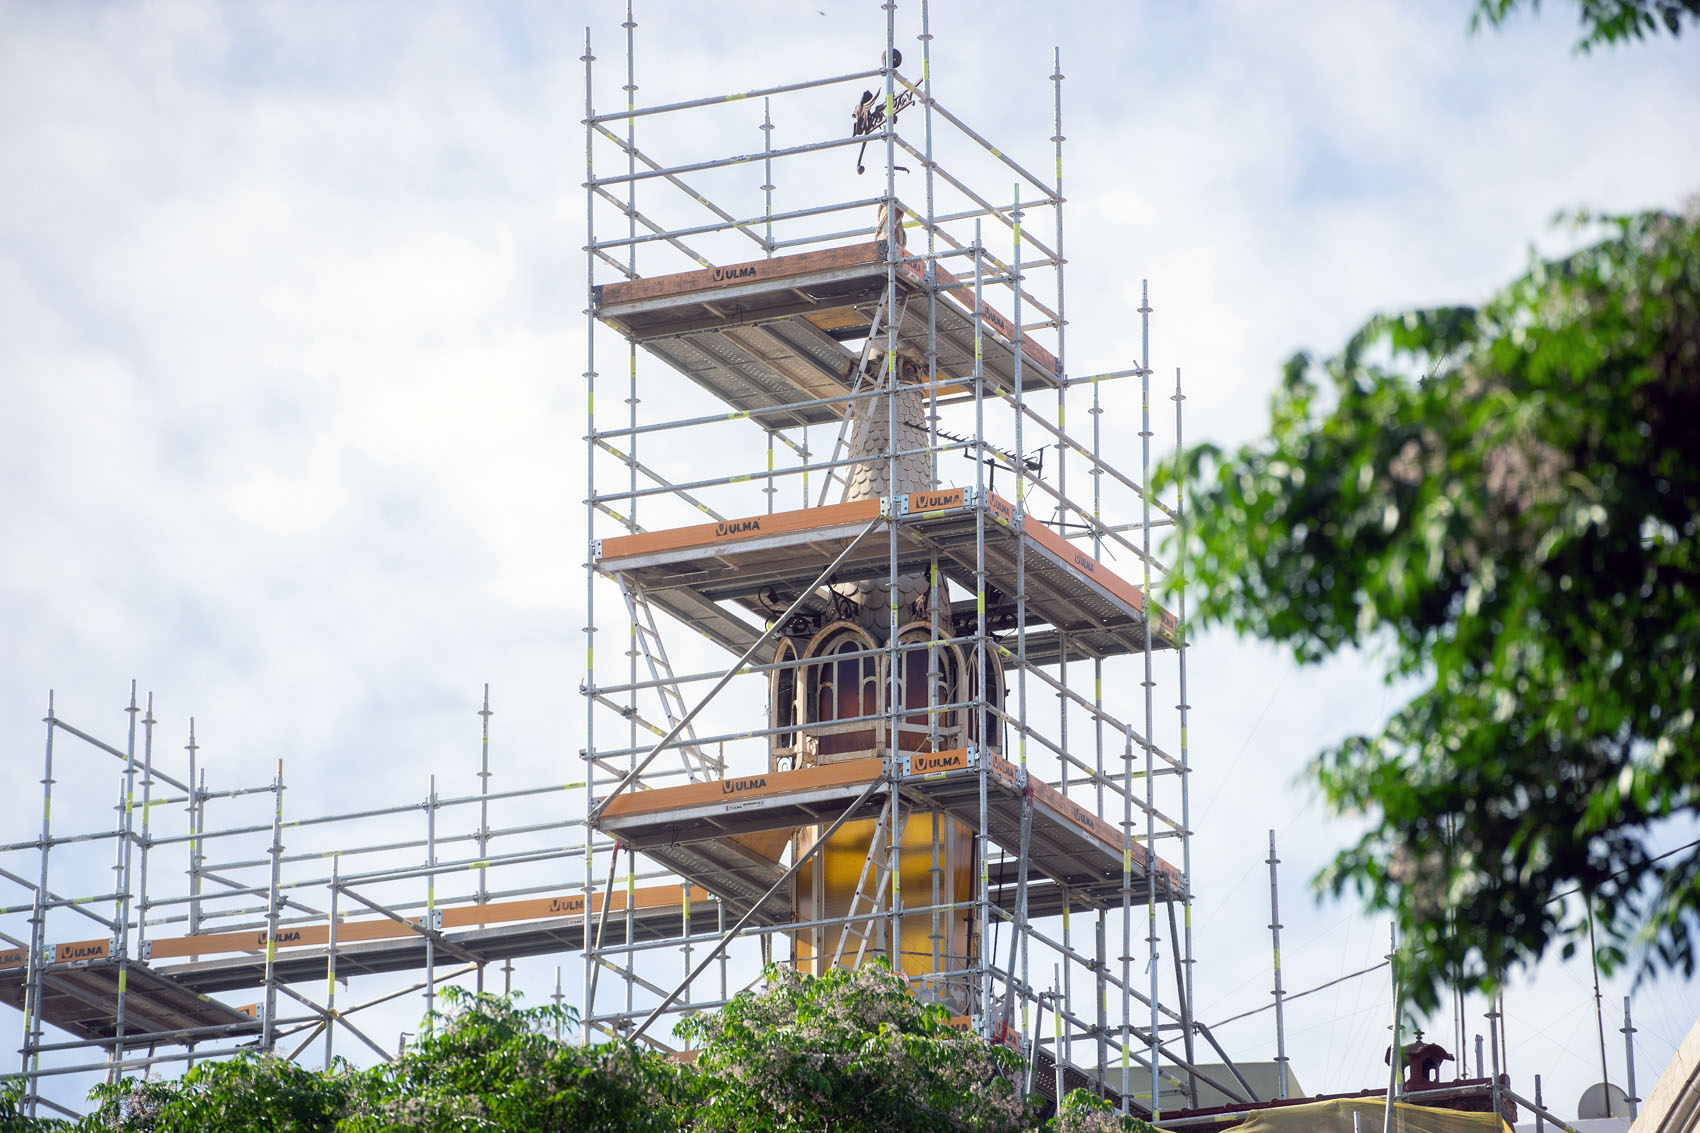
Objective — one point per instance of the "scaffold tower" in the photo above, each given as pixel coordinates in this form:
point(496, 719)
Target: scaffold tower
point(829, 463)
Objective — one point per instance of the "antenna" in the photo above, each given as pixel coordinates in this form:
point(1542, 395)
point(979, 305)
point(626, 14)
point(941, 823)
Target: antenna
point(1602, 1099)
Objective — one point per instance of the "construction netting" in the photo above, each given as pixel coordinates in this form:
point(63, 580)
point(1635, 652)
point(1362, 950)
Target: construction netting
point(1370, 1113)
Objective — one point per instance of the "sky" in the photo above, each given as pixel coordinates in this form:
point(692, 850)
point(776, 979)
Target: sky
point(292, 335)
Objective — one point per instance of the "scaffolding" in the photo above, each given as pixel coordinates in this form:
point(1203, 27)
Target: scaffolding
point(222, 890)
point(955, 761)
point(884, 672)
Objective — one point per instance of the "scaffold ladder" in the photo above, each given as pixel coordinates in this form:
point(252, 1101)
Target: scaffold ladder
point(666, 684)
point(877, 866)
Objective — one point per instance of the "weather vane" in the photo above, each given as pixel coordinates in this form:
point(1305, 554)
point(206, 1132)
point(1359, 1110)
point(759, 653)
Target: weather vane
point(869, 113)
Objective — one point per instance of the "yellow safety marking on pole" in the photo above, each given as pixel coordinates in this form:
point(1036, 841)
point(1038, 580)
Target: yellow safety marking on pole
point(736, 97)
point(981, 598)
point(129, 804)
point(1189, 915)
point(733, 416)
point(1099, 689)
point(631, 365)
point(1127, 859)
point(430, 895)
point(573, 786)
point(770, 460)
point(123, 979)
point(590, 403)
point(46, 809)
point(739, 479)
point(1059, 417)
point(590, 657)
point(1059, 169)
point(479, 865)
point(271, 949)
point(891, 363)
point(1018, 232)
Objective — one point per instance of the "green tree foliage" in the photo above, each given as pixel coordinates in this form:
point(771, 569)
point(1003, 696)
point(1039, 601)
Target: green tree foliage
point(1504, 501)
point(1604, 21)
point(493, 1066)
point(851, 1052)
point(487, 1065)
point(1083, 1112)
point(847, 1052)
point(12, 1118)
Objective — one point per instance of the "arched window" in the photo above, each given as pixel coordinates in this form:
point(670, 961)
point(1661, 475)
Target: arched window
point(943, 664)
point(839, 685)
point(782, 708)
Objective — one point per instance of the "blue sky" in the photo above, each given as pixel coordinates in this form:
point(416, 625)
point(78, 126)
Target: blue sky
point(291, 423)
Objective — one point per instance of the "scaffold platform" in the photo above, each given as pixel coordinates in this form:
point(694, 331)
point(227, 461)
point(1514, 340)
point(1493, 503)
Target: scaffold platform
point(706, 573)
point(693, 829)
point(80, 996)
point(767, 335)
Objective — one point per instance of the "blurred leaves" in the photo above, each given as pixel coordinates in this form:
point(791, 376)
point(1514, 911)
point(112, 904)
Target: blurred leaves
point(1501, 504)
point(1604, 22)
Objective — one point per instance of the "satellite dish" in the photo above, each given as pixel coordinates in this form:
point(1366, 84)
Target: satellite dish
point(1602, 1099)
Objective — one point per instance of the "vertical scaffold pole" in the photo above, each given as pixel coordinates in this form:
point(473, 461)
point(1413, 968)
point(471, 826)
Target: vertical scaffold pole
point(632, 401)
point(982, 644)
point(196, 857)
point(330, 959)
point(1066, 976)
point(589, 375)
point(1183, 708)
point(268, 1025)
point(1394, 1050)
point(1149, 686)
point(126, 832)
point(484, 715)
point(1628, 1032)
point(146, 841)
point(30, 1053)
point(1127, 921)
point(1281, 1081)
point(893, 377)
point(431, 905)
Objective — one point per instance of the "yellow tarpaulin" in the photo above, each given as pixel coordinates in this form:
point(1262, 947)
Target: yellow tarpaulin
point(1336, 1117)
